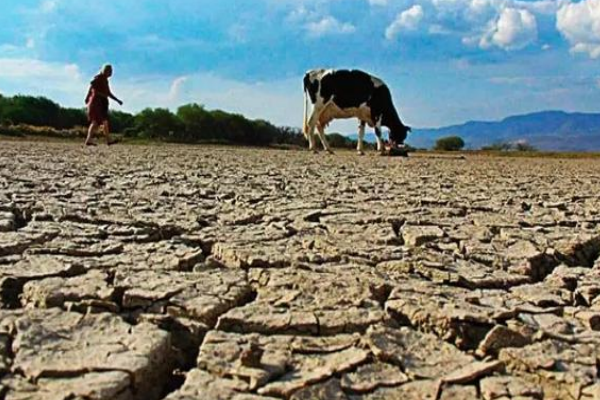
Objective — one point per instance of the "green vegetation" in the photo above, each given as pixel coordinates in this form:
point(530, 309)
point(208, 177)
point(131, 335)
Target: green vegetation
point(520, 146)
point(524, 146)
point(541, 154)
point(450, 143)
point(38, 111)
point(499, 146)
point(192, 123)
point(21, 130)
point(340, 141)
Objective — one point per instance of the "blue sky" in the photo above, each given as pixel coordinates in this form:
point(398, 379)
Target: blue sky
point(446, 61)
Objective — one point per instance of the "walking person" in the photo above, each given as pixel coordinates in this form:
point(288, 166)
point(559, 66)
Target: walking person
point(97, 104)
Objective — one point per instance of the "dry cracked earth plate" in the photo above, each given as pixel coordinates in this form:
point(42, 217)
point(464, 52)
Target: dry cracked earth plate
point(220, 273)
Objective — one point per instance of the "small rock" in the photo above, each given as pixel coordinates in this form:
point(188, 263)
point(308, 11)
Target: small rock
point(330, 390)
point(372, 376)
point(501, 337)
point(508, 387)
point(415, 236)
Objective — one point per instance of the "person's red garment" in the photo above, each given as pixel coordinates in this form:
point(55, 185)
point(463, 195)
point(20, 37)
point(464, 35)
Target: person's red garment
point(97, 100)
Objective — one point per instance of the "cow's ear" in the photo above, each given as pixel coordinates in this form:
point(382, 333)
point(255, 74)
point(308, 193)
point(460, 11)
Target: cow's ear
point(408, 129)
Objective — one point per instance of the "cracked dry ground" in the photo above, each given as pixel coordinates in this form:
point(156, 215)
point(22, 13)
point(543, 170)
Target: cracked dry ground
point(218, 273)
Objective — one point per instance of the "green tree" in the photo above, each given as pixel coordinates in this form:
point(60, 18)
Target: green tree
point(3, 104)
point(120, 122)
point(37, 111)
point(341, 142)
point(450, 143)
point(198, 123)
point(524, 146)
point(158, 123)
point(289, 135)
point(498, 146)
point(264, 133)
point(71, 117)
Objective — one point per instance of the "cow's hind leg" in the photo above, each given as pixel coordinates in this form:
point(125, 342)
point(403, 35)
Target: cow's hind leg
point(309, 131)
point(323, 138)
point(361, 138)
point(380, 144)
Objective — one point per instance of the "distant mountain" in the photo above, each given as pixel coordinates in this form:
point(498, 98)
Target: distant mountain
point(547, 130)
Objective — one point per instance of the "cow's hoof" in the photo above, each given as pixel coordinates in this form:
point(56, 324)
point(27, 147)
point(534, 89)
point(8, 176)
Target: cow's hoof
point(360, 153)
point(330, 152)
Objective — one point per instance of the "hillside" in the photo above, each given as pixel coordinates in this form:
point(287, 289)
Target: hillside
point(547, 130)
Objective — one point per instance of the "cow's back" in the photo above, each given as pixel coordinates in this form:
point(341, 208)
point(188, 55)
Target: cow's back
point(348, 88)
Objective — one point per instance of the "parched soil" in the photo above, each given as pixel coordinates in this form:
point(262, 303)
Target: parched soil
point(220, 273)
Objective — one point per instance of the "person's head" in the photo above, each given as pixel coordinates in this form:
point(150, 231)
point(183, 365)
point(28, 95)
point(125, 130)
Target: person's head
point(107, 70)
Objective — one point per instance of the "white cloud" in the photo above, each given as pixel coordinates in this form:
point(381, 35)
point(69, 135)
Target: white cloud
point(25, 68)
point(317, 23)
point(513, 30)
point(580, 24)
point(278, 101)
point(60, 82)
point(472, 11)
point(300, 14)
point(407, 20)
point(438, 29)
point(48, 6)
point(329, 26)
point(177, 88)
point(378, 2)
point(238, 32)
point(514, 80)
point(507, 24)
point(544, 7)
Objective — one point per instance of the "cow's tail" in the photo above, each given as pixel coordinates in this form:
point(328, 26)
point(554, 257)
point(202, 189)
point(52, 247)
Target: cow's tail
point(305, 121)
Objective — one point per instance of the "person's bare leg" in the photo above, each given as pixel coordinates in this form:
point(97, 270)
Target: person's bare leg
point(106, 126)
point(91, 129)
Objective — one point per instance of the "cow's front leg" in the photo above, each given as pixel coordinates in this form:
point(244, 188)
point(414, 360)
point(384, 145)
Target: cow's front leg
point(310, 131)
point(380, 144)
point(361, 137)
point(323, 138)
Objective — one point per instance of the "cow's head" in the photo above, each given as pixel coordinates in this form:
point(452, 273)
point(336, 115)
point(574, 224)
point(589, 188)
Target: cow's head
point(398, 135)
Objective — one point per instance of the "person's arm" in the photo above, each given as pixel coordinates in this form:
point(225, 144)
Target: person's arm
point(109, 95)
point(89, 95)
point(112, 96)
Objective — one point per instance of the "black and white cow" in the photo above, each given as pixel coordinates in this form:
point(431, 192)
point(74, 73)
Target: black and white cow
point(350, 94)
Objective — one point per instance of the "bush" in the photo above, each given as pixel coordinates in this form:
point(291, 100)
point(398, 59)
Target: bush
point(336, 140)
point(30, 130)
point(158, 123)
point(524, 146)
point(198, 123)
point(498, 146)
point(120, 122)
point(450, 143)
point(508, 146)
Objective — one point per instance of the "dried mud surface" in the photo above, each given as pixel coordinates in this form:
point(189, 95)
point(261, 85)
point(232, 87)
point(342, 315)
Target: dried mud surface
point(220, 273)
